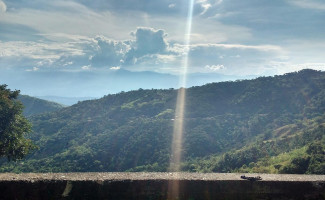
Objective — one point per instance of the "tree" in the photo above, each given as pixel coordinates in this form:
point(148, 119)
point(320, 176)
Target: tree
point(13, 126)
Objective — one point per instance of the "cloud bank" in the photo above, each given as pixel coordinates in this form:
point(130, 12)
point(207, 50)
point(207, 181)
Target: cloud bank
point(148, 50)
point(233, 36)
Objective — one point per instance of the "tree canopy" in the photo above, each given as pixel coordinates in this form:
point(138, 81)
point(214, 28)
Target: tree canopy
point(13, 126)
point(266, 125)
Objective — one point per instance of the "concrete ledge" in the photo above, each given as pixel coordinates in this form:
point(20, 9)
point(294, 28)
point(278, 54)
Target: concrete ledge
point(159, 186)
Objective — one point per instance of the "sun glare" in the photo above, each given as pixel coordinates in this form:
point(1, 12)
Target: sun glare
point(178, 130)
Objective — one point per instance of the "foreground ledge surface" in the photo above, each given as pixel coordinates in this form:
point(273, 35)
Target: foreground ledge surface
point(159, 186)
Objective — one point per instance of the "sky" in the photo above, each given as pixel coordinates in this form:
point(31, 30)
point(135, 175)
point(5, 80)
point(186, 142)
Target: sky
point(92, 48)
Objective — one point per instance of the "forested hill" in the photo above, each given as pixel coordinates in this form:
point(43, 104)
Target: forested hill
point(229, 126)
point(34, 105)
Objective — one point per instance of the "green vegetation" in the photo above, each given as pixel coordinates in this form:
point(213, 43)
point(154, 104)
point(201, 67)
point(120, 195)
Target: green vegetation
point(292, 149)
point(34, 105)
point(269, 124)
point(13, 126)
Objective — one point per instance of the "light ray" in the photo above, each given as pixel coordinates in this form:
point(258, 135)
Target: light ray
point(181, 97)
point(178, 131)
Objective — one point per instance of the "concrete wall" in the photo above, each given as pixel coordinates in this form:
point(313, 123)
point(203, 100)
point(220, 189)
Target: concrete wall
point(159, 186)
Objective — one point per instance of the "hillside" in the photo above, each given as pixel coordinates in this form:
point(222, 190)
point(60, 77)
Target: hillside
point(229, 126)
point(34, 105)
point(67, 101)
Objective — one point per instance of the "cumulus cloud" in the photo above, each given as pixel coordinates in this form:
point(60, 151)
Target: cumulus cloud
point(71, 52)
point(149, 46)
point(108, 52)
point(3, 6)
point(148, 41)
point(224, 33)
point(148, 50)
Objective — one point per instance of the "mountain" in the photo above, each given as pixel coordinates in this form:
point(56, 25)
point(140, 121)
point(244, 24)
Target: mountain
point(34, 105)
point(68, 101)
point(98, 83)
point(272, 124)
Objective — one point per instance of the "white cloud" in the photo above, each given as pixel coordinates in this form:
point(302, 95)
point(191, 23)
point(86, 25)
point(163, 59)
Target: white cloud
point(86, 67)
point(172, 5)
point(216, 42)
point(247, 37)
point(149, 50)
point(205, 7)
point(49, 22)
point(148, 41)
point(68, 63)
point(38, 50)
point(47, 62)
point(64, 37)
point(117, 25)
point(107, 52)
point(70, 52)
point(241, 46)
point(34, 69)
point(215, 67)
point(115, 68)
point(3, 6)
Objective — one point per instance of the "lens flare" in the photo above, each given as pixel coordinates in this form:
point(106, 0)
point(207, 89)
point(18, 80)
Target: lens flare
point(177, 141)
point(181, 97)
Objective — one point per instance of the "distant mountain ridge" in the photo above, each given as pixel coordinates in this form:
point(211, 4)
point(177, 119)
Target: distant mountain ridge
point(33, 105)
point(67, 101)
point(229, 127)
point(100, 83)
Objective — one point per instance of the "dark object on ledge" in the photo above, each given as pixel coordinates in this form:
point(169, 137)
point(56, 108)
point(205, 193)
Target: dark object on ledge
point(250, 178)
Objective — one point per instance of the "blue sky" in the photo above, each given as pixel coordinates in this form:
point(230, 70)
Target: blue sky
point(229, 37)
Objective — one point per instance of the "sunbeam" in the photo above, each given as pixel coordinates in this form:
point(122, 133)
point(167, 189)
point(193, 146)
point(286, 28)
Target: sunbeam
point(181, 97)
point(177, 141)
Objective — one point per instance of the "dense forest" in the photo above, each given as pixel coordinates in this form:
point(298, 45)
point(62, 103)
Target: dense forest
point(36, 106)
point(268, 124)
